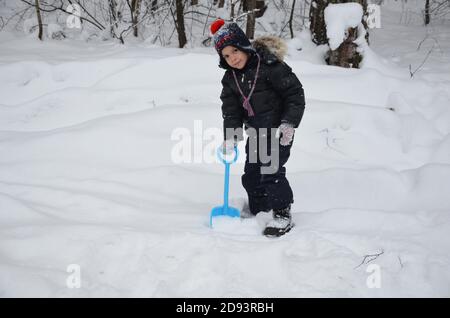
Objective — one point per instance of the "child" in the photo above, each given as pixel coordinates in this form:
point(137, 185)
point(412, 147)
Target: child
point(261, 92)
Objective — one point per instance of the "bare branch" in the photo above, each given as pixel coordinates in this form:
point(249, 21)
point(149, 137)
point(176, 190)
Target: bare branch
point(400, 261)
point(245, 14)
point(370, 258)
point(421, 64)
point(61, 8)
point(21, 13)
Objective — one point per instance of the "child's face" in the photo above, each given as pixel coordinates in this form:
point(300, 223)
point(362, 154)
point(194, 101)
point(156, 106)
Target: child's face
point(234, 57)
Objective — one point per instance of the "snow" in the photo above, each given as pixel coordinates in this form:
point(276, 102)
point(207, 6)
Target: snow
point(340, 17)
point(88, 176)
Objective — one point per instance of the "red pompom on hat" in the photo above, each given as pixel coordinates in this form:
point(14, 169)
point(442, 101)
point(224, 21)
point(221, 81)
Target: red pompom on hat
point(216, 25)
point(225, 34)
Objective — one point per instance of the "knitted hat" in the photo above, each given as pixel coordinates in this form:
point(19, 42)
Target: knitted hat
point(225, 34)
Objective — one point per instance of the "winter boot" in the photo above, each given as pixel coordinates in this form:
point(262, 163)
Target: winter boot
point(281, 223)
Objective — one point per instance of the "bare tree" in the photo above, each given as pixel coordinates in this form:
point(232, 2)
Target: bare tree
point(179, 23)
point(291, 17)
point(427, 12)
point(160, 20)
point(58, 6)
point(259, 7)
point(435, 9)
point(38, 13)
point(219, 3)
point(154, 5)
point(233, 6)
point(250, 7)
point(317, 21)
point(115, 16)
point(135, 9)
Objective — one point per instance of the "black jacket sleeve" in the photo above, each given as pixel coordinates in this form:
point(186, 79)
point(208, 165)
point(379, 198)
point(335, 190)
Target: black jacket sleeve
point(232, 112)
point(288, 86)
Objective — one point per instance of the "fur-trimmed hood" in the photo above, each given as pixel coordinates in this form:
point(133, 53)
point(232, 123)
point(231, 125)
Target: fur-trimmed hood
point(271, 45)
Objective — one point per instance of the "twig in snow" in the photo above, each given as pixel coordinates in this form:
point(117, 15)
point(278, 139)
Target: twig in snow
point(400, 261)
point(420, 66)
point(370, 258)
point(426, 57)
point(333, 141)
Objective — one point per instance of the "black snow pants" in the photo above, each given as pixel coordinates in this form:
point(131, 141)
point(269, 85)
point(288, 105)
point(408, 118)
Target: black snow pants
point(271, 190)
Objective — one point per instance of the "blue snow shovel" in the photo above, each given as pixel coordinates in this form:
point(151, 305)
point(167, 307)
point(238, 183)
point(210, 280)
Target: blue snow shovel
point(225, 209)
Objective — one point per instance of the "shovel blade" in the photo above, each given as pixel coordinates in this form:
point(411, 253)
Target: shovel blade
point(223, 211)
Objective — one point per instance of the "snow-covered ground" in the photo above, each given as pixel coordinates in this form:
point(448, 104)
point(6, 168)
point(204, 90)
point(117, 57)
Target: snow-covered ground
point(90, 189)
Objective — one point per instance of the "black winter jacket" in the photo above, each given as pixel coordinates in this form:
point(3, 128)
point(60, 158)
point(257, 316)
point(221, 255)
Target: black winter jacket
point(278, 96)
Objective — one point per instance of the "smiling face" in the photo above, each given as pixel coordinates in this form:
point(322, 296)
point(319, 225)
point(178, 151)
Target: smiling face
point(234, 57)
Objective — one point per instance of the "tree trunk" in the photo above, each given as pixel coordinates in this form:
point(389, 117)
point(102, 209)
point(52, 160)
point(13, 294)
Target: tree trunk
point(135, 11)
point(427, 12)
point(317, 21)
point(233, 5)
point(346, 55)
point(221, 3)
point(291, 18)
point(154, 5)
point(113, 18)
point(180, 24)
point(250, 31)
point(259, 4)
point(38, 13)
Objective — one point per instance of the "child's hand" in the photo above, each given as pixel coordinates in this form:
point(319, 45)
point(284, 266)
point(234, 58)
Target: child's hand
point(287, 132)
point(228, 146)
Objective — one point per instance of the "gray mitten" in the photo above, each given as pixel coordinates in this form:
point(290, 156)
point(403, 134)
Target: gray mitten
point(287, 133)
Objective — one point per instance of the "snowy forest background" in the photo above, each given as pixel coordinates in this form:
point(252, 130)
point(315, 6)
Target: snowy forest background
point(109, 125)
point(183, 22)
point(186, 23)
